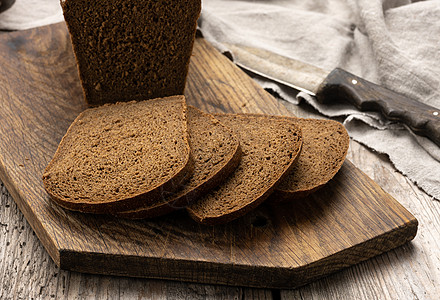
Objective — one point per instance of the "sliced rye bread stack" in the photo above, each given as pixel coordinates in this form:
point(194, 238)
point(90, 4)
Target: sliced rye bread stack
point(106, 147)
point(120, 156)
point(270, 146)
point(325, 146)
point(216, 153)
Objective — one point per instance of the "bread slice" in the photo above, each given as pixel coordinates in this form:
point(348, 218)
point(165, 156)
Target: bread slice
point(131, 49)
point(270, 146)
point(121, 156)
point(216, 153)
point(325, 146)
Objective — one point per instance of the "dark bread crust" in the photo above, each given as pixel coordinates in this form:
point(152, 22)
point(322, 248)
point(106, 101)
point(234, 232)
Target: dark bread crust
point(270, 146)
point(126, 50)
point(325, 146)
point(128, 203)
point(204, 148)
point(71, 161)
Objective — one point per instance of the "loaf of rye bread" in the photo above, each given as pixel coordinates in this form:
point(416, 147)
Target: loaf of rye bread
point(216, 153)
point(121, 156)
point(131, 50)
point(270, 146)
point(325, 146)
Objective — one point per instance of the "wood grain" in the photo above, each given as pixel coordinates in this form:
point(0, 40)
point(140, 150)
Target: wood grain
point(28, 272)
point(348, 221)
point(408, 272)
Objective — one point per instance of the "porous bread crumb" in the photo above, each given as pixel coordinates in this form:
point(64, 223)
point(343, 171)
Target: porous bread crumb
point(325, 146)
point(121, 156)
point(270, 146)
point(126, 50)
point(216, 152)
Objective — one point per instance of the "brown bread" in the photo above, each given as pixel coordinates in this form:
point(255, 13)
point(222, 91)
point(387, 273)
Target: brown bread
point(121, 156)
point(216, 153)
point(325, 146)
point(270, 146)
point(131, 50)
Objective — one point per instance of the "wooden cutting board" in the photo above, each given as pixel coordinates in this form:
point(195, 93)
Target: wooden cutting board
point(349, 220)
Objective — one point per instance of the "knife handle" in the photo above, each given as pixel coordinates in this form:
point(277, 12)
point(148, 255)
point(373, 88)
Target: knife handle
point(421, 118)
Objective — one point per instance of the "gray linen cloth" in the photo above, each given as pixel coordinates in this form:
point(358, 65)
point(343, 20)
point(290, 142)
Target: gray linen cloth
point(26, 14)
point(395, 43)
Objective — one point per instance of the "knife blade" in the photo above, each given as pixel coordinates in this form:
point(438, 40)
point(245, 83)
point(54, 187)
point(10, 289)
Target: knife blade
point(338, 84)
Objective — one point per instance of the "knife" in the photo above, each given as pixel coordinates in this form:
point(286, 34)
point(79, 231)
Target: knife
point(329, 87)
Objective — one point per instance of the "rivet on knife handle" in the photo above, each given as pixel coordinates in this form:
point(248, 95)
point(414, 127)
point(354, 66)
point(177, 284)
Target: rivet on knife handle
point(421, 118)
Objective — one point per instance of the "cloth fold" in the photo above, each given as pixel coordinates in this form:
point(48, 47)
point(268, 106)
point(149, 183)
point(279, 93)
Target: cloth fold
point(392, 43)
point(26, 14)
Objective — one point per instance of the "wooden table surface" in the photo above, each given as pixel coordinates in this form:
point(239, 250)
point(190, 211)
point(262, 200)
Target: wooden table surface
point(408, 272)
